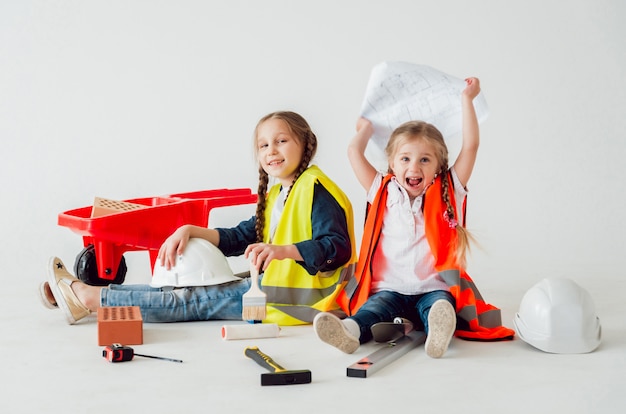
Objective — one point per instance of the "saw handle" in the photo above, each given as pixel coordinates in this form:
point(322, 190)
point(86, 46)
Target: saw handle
point(262, 359)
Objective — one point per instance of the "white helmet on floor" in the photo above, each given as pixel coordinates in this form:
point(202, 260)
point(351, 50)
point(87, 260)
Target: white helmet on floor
point(201, 264)
point(558, 316)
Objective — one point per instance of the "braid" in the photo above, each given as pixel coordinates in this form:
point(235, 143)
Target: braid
point(260, 204)
point(445, 194)
point(463, 234)
point(307, 154)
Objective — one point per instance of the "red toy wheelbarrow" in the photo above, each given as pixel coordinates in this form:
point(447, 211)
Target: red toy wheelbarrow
point(110, 228)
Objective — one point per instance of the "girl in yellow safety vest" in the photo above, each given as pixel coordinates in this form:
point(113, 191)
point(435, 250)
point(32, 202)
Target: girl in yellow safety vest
point(301, 238)
point(411, 262)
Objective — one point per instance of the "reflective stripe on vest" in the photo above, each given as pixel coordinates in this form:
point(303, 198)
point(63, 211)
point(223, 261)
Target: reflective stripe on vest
point(489, 318)
point(294, 296)
point(300, 296)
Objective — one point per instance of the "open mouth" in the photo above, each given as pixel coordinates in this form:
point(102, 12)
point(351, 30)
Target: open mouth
point(414, 181)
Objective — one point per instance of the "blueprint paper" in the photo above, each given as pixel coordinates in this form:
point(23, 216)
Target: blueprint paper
point(398, 92)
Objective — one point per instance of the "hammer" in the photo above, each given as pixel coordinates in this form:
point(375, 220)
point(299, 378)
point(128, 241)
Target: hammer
point(278, 375)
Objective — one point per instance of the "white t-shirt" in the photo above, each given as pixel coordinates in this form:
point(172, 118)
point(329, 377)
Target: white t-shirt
point(277, 211)
point(403, 261)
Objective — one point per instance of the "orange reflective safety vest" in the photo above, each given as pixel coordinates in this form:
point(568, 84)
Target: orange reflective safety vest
point(476, 319)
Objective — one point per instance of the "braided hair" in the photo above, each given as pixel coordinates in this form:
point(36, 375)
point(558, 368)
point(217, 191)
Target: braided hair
point(301, 130)
point(419, 130)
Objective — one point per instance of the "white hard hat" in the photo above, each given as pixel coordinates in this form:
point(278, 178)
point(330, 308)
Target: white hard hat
point(201, 264)
point(558, 316)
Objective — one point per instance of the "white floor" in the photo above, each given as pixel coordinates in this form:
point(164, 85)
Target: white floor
point(49, 366)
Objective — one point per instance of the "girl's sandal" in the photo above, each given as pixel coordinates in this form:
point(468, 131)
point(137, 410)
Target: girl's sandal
point(46, 296)
point(60, 282)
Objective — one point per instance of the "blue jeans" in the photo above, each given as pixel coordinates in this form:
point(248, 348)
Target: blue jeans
point(198, 303)
point(385, 305)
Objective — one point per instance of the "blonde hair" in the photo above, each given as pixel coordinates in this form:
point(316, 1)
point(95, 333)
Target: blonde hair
point(301, 130)
point(418, 130)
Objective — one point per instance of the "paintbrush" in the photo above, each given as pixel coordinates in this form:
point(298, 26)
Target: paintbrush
point(254, 300)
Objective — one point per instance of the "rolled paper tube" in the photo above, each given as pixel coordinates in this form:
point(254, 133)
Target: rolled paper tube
point(249, 331)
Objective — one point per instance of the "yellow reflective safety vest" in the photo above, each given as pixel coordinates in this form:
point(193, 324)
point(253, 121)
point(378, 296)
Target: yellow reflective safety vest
point(476, 319)
point(294, 296)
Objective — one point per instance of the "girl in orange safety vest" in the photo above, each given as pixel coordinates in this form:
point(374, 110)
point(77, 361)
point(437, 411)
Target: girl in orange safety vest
point(412, 258)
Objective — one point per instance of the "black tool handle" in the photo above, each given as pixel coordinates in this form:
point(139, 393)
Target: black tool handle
point(262, 359)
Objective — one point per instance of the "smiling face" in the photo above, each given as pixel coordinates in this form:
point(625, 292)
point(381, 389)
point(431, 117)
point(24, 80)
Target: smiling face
point(415, 164)
point(278, 149)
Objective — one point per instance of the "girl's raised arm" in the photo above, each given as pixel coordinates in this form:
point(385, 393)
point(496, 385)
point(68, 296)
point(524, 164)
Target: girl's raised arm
point(363, 169)
point(464, 164)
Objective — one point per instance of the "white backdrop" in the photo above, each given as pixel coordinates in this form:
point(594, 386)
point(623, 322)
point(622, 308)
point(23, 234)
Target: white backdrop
point(126, 99)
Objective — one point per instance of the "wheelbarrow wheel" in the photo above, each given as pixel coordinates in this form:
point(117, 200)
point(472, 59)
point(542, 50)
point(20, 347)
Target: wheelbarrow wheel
point(86, 268)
